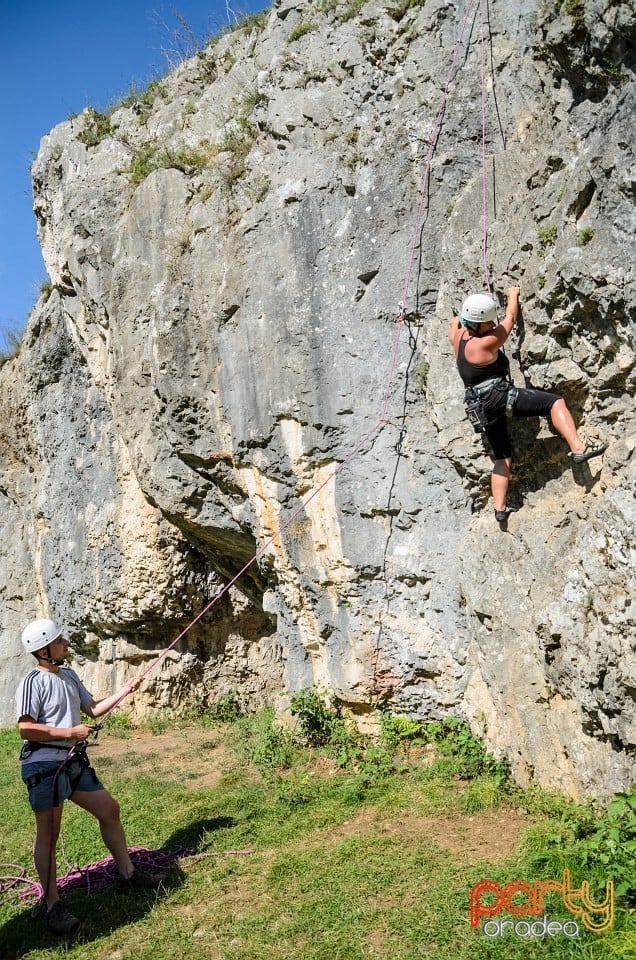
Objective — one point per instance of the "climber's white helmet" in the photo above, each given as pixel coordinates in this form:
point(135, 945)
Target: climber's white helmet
point(478, 308)
point(38, 634)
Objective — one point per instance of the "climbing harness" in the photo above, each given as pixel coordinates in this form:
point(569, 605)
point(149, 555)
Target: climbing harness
point(485, 404)
point(74, 764)
point(476, 413)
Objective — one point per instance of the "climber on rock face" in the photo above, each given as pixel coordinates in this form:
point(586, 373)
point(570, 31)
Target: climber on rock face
point(491, 398)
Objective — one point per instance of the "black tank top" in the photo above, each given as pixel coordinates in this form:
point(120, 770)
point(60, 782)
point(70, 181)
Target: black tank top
point(472, 375)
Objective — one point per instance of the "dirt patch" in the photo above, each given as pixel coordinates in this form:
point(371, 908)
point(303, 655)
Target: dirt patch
point(193, 755)
point(198, 758)
point(473, 837)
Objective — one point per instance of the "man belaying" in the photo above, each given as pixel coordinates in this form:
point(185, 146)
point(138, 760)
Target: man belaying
point(55, 766)
point(490, 396)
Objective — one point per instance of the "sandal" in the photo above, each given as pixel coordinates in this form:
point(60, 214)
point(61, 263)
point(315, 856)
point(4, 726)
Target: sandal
point(501, 515)
point(589, 452)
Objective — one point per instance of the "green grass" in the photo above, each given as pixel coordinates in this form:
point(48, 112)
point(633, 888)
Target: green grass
point(584, 236)
point(314, 848)
point(301, 29)
point(96, 128)
point(151, 157)
point(547, 237)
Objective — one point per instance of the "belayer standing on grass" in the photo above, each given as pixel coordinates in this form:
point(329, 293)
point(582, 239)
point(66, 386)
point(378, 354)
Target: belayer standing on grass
point(48, 701)
point(491, 398)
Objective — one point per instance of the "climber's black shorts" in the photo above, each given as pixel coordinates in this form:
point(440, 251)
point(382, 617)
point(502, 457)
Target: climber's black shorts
point(529, 403)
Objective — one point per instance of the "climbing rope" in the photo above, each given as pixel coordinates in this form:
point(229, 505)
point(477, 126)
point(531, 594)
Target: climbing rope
point(17, 887)
point(484, 178)
point(432, 144)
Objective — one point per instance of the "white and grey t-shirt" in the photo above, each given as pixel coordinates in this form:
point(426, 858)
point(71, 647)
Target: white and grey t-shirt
point(54, 699)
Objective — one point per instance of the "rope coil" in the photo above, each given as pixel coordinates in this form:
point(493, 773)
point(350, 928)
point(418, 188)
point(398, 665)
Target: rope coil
point(16, 886)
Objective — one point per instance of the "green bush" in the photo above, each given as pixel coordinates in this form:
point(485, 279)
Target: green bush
point(547, 237)
point(269, 746)
point(318, 722)
point(253, 21)
point(151, 157)
point(584, 236)
point(225, 709)
point(465, 753)
point(142, 99)
point(119, 724)
point(301, 29)
point(321, 724)
point(396, 730)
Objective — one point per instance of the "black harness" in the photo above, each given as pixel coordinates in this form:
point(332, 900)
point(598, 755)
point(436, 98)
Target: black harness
point(491, 399)
point(74, 765)
point(488, 401)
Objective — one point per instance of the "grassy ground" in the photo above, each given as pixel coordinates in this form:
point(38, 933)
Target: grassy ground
point(342, 850)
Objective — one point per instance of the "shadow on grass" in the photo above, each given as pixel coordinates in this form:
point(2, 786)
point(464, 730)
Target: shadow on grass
point(94, 897)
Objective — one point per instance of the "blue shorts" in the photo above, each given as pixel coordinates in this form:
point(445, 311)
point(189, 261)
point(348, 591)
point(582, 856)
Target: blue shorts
point(51, 790)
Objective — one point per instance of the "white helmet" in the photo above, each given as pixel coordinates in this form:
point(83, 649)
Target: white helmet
point(38, 634)
point(478, 308)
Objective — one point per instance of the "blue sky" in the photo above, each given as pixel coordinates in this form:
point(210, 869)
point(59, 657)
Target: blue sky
point(56, 58)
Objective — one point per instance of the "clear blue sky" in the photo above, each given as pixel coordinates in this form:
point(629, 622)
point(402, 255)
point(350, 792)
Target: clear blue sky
point(56, 58)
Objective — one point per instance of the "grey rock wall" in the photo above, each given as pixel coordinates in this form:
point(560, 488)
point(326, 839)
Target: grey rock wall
point(226, 261)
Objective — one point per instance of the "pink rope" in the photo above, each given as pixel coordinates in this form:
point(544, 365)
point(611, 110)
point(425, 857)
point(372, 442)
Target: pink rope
point(484, 179)
point(95, 876)
point(437, 125)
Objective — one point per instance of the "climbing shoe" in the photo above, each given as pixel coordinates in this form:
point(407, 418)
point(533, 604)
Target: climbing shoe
point(590, 451)
point(141, 880)
point(60, 920)
point(501, 515)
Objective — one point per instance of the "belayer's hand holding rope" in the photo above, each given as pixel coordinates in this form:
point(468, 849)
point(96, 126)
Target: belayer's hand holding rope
point(105, 707)
point(55, 765)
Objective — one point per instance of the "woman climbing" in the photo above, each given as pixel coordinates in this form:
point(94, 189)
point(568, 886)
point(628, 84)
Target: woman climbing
point(490, 396)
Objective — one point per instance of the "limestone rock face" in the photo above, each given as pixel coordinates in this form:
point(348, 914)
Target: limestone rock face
point(217, 391)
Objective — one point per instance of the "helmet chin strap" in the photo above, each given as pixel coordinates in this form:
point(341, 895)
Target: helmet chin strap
point(49, 659)
point(473, 329)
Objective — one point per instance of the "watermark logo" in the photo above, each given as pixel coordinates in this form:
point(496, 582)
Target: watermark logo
point(488, 899)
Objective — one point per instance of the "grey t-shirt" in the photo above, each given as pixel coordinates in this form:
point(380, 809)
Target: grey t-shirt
point(54, 699)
